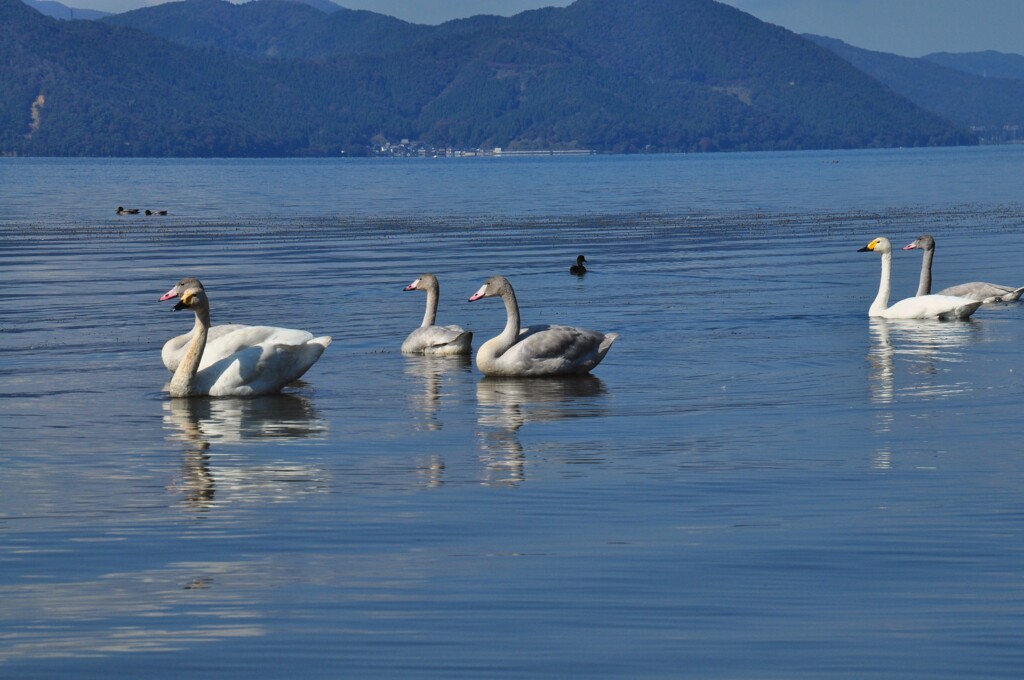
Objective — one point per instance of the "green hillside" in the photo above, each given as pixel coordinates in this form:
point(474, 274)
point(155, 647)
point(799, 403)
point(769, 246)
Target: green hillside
point(204, 77)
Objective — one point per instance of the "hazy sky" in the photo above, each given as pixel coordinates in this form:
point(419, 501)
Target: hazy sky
point(908, 27)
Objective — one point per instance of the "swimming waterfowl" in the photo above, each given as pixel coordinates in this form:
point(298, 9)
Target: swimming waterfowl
point(156, 212)
point(921, 307)
point(578, 269)
point(987, 293)
point(541, 350)
point(225, 339)
point(121, 210)
point(431, 339)
point(252, 370)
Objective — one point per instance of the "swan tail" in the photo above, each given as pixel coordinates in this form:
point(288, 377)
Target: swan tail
point(602, 349)
point(965, 311)
point(1014, 296)
point(607, 342)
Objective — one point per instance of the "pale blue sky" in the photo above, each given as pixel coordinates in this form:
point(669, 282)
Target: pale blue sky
point(907, 27)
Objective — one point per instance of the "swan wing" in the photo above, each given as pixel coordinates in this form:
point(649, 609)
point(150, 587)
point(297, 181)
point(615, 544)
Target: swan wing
point(259, 369)
point(556, 350)
point(438, 339)
point(174, 349)
point(932, 307)
point(985, 292)
point(249, 336)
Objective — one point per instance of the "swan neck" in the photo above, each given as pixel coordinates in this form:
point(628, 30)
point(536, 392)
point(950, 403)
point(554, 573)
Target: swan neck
point(509, 336)
point(881, 302)
point(924, 286)
point(433, 294)
point(181, 382)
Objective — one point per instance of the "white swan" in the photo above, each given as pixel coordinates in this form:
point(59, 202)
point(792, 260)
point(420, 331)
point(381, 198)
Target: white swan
point(538, 350)
point(226, 339)
point(921, 307)
point(431, 339)
point(988, 293)
point(251, 371)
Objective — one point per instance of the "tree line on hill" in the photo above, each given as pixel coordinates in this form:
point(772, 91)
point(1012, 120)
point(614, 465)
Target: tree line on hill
point(271, 78)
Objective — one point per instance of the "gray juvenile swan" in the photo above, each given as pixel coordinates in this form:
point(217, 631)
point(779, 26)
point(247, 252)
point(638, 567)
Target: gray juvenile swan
point(251, 371)
point(987, 293)
point(431, 339)
point(542, 350)
point(225, 339)
point(921, 307)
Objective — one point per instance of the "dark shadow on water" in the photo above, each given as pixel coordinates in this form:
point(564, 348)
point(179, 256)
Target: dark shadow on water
point(430, 375)
point(204, 424)
point(504, 405)
point(914, 360)
point(924, 347)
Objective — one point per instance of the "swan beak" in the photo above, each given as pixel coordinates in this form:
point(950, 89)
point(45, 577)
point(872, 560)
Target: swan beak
point(870, 246)
point(479, 294)
point(412, 286)
point(172, 293)
point(185, 301)
point(910, 246)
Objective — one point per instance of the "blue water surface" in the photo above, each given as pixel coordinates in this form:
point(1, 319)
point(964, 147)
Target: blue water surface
point(758, 482)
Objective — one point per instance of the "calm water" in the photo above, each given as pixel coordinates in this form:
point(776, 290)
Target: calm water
point(758, 482)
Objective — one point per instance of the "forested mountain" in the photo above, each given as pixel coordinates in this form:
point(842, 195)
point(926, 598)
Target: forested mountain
point(272, 29)
point(965, 99)
point(204, 77)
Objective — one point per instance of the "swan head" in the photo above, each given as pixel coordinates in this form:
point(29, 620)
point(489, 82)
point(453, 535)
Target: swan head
point(924, 242)
point(879, 245)
point(424, 282)
point(192, 298)
point(181, 286)
point(493, 287)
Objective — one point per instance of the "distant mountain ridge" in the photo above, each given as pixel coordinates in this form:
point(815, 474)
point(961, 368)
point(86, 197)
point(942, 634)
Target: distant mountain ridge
point(954, 93)
point(276, 29)
point(204, 77)
point(987, 64)
point(57, 10)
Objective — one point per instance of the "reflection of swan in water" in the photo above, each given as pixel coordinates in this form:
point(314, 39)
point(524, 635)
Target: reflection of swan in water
point(202, 424)
point(504, 405)
point(926, 348)
point(923, 350)
point(432, 371)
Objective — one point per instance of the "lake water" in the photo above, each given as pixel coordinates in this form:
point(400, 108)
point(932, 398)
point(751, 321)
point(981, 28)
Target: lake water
point(758, 482)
